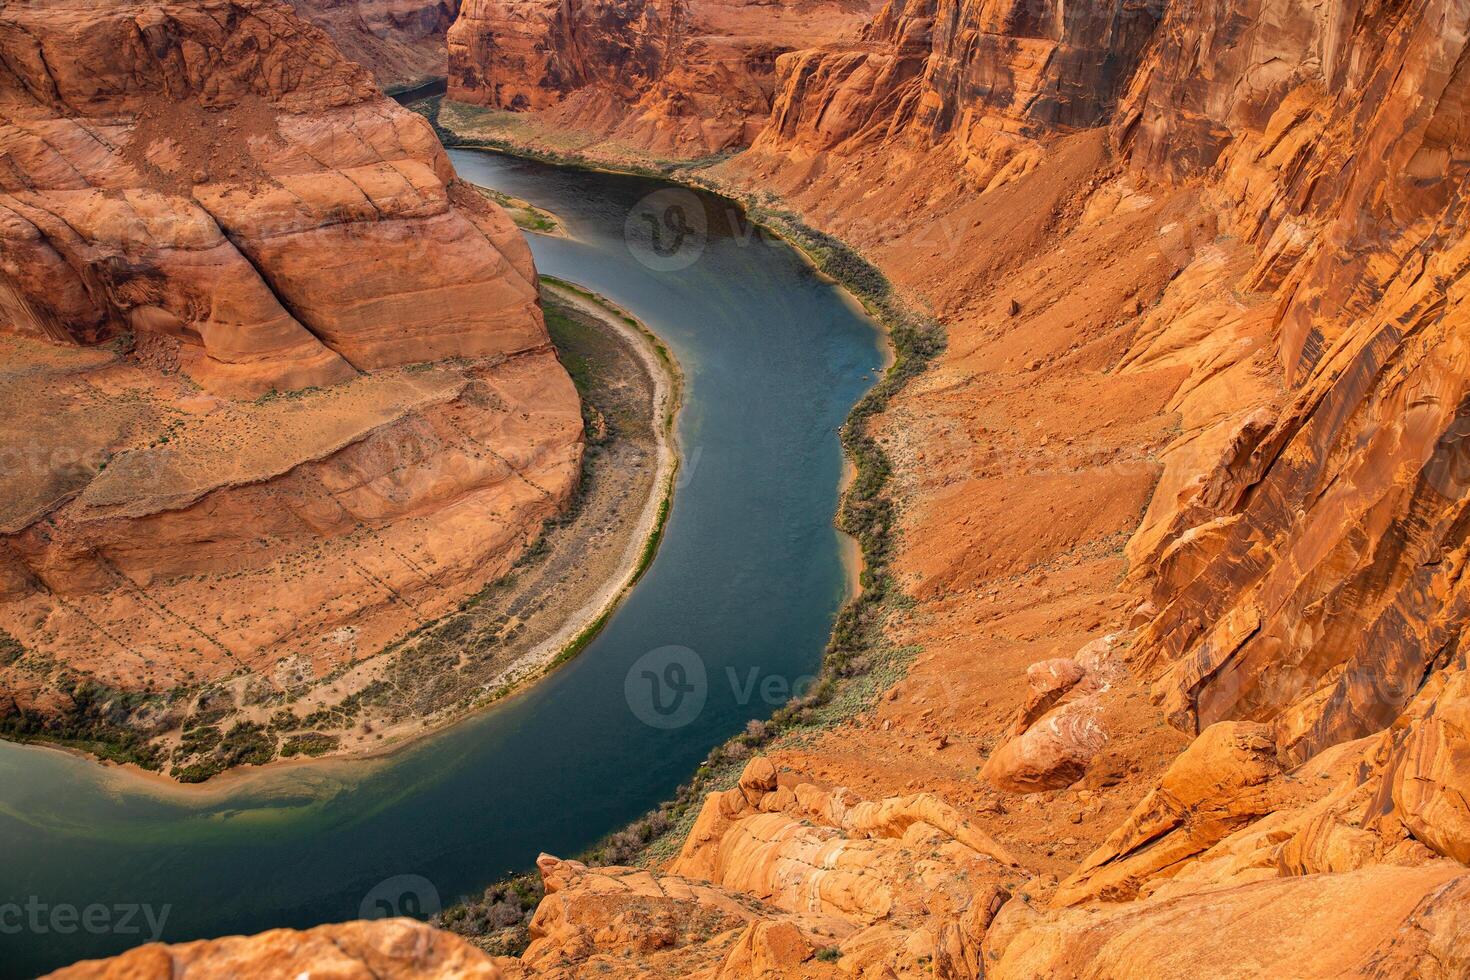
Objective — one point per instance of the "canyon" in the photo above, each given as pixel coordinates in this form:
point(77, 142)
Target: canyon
point(1181, 507)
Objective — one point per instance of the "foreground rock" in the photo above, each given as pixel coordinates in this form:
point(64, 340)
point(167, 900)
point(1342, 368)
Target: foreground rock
point(395, 949)
point(226, 263)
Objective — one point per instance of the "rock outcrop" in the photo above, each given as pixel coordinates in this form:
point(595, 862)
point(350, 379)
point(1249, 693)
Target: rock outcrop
point(227, 265)
point(1051, 747)
point(155, 151)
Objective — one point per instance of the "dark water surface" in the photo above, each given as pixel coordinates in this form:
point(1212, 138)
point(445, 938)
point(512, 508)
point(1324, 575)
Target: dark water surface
point(748, 578)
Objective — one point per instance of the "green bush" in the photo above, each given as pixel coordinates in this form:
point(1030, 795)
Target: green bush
point(311, 743)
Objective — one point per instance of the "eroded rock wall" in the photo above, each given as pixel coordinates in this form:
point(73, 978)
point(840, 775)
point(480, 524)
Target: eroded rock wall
point(982, 78)
point(219, 175)
point(1312, 576)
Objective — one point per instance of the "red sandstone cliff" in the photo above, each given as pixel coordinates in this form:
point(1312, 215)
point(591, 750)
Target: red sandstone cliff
point(226, 265)
point(1185, 515)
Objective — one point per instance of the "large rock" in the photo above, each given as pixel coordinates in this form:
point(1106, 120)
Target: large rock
point(1221, 783)
point(1429, 770)
point(1381, 922)
point(910, 877)
point(1051, 744)
point(226, 263)
point(181, 171)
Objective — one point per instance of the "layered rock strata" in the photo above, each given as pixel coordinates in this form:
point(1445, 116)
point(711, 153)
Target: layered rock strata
point(277, 384)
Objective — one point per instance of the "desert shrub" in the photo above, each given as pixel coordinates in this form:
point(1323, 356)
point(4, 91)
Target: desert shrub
point(311, 743)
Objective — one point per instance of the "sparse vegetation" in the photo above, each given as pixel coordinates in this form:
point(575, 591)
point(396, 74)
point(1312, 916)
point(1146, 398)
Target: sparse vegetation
point(526, 215)
point(95, 719)
point(246, 744)
point(311, 743)
point(10, 649)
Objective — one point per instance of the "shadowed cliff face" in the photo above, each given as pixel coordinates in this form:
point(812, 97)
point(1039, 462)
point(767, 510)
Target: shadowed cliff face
point(976, 74)
point(226, 265)
point(678, 78)
point(399, 41)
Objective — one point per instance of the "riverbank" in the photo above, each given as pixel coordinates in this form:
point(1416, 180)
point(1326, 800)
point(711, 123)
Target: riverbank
point(516, 628)
point(527, 216)
point(914, 338)
point(642, 539)
point(859, 662)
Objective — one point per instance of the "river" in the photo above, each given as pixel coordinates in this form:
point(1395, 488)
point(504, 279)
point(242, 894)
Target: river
point(734, 611)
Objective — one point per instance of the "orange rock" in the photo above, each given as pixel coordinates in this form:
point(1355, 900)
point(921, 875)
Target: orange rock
point(216, 188)
point(1430, 780)
point(1049, 682)
point(229, 216)
point(393, 949)
point(767, 948)
point(1218, 785)
point(1397, 922)
point(1053, 752)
